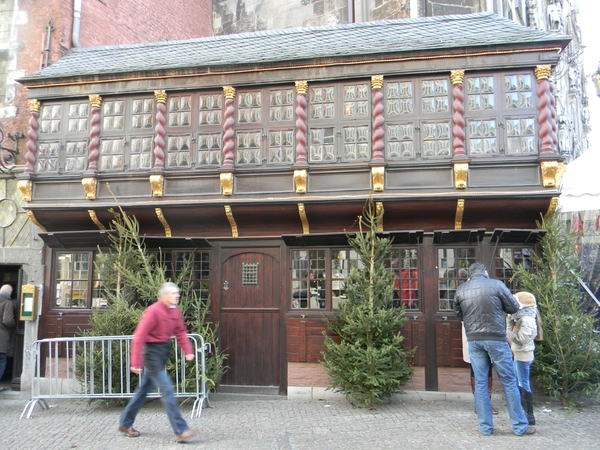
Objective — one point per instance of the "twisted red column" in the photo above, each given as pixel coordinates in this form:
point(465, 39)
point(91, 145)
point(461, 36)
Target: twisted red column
point(553, 116)
point(378, 122)
point(94, 139)
point(159, 139)
point(228, 134)
point(545, 116)
point(458, 118)
point(31, 142)
point(301, 127)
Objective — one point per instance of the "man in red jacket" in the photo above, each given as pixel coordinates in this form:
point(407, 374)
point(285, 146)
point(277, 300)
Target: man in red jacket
point(150, 349)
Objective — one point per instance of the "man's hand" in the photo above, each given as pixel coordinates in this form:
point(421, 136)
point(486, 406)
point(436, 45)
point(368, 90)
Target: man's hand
point(189, 357)
point(135, 370)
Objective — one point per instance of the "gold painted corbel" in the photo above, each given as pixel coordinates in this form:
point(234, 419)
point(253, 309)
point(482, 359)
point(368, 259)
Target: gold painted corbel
point(26, 189)
point(378, 178)
point(552, 172)
point(460, 209)
point(164, 222)
point(35, 222)
point(229, 214)
point(378, 211)
point(300, 181)
point(90, 186)
point(552, 206)
point(227, 183)
point(461, 172)
point(94, 218)
point(157, 183)
point(303, 218)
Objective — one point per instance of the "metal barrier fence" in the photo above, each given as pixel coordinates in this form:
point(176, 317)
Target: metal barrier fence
point(98, 367)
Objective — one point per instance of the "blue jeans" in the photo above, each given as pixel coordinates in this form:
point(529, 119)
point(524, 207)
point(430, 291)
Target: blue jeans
point(523, 369)
point(2, 364)
point(498, 352)
point(155, 360)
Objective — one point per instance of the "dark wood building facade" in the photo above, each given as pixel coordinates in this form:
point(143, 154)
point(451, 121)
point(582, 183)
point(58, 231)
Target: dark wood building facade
point(257, 152)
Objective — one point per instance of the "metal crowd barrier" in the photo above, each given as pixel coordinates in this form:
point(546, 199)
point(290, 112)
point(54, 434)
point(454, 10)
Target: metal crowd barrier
point(98, 367)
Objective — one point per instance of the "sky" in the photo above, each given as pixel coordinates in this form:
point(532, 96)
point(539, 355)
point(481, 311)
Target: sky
point(589, 13)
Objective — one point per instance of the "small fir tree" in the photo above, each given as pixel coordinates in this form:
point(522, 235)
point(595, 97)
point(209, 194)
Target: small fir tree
point(567, 360)
point(366, 360)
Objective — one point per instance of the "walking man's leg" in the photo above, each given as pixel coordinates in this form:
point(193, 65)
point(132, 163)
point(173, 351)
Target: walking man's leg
point(134, 405)
point(480, 362)
point(170, 404)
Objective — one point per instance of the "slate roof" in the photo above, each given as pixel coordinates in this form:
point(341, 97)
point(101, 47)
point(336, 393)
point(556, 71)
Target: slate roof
point(335, 41)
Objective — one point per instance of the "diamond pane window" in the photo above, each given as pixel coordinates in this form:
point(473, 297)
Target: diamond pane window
point(322, 103)
point(321, 144)
point(50, 119)
point(140, 154)
point(209, 149)
point(211, 109)
point(142, 113)
point(281, 146)
point(79, 117)
point(357, 145)
point(281, 105)
point(436, 139)
point(400, 141)
point(399, 98)
point(178, 151)
point(356, 100)
point(435, 96)
point(113, 112)
point(47, 157)
point(76, 156)
point(248, 147)
point(111, 154)
point(482, 137)
point(249, 107)
point(180, 111)
point(520, 136)
point(518, 91)
point(480, 93)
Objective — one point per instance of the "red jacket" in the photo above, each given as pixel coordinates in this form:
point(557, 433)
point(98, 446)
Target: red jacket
point(158, 324)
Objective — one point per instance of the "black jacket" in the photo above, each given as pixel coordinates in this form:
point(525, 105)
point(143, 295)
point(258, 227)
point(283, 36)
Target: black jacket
point(480, 303)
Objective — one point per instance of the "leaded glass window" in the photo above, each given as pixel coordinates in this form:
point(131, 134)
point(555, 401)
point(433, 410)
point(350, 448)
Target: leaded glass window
point(249, 107)
point(452, 265)
point(480, 93)
point(47, 157)
point(179, 148)
point(140, 154)
point(50, 119)
point(435, 96)
point(399, 98)
point(322, 102)
point(79, 114)
point(142, 113)
point(180, 111)
point(482, 137)
point(357, 143)
point(356, 100)
point(436, 139)
point(518, 91)
point(400, 140)
point(281, 105)
point(281, 146)
point(209, 149)
point(113, 113)
point(210, 106)
point(111, 154)
point(520, 136)
point(322, 145)
point(248, 147)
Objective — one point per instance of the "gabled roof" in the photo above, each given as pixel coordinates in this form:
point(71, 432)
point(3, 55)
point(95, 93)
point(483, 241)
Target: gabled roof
point(295, 44)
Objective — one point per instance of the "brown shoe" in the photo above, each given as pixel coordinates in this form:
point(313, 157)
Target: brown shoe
point(185, 436)
point(131, 432)
point(529, 430)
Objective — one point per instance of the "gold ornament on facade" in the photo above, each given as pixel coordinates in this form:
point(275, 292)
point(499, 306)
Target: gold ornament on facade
point(227, 183)
point(35, 222)
point(552, 207)
point(229, 91)
point(157, 183)
point(300, 181)
point(457, 76)
point(552, 172)
point(378, 177)
point(95, 101)
point(90, 186)
point(376, 81)
point(379, 211)
point(460, 209)
point(543, 72)
point(229, 214)
point(164, 222)
point(301, 87)
point(303, 218)
point(34, 105)
point(160, 96)
point(461, 172)
point(26, 189)
point(94, 218)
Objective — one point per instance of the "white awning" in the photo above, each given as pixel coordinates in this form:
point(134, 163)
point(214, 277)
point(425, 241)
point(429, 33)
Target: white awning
point(581, 184)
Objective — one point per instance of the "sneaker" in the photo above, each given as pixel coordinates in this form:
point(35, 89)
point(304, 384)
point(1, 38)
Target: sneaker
point(131, 432)
point(529, 430)
point(185, 436)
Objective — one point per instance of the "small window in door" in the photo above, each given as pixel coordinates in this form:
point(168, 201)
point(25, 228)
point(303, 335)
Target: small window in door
point(249, 274)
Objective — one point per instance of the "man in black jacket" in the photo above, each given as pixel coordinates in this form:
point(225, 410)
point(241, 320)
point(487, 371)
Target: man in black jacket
point(480, 303)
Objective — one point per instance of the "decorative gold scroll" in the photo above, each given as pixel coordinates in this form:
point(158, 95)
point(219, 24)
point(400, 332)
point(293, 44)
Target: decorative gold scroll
point(229, 214)
point(378, 211)
point(35, 222)
point(461, 172)
point(303, 218)
point(90, 186)
point(460, 209)
point(34, 105)
point(552, 207)
point(543, 72)
point(94, 218)
point(457, 76)
point(300, 180)
point(157, 183)
point(26, 188)
point(378, 177)
point(160, 96)
point(301, 87)
point(376, 81)
point(552, 172)
point(95, 100)
point(227, 183)
point(162, 219)
point(229, 91)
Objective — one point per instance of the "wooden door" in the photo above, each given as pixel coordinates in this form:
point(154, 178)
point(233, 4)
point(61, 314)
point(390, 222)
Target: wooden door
point(250, 319)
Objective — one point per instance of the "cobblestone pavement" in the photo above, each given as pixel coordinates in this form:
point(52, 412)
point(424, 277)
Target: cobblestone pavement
point(415, 420)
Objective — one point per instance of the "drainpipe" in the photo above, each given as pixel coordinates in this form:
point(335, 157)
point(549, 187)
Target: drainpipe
point(76, 22)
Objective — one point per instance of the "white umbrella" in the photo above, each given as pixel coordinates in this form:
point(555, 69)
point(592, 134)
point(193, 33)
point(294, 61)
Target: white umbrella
point(581, 184)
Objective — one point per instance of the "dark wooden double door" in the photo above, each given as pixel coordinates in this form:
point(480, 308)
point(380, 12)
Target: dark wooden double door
point(251, 320)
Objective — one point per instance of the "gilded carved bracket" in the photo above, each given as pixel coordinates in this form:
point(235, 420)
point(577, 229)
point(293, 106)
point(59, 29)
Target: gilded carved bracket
point(300, 181)
point(157, 183)
point(94, 218)
point(163, 221)
point(35, 222)
point(460, 209)
point(378, 178)
point(227, 183)
point(26, 189)
point(90, 186)
point(303, 218)
point(231, 219)
point(461, 172)
point(552, 172)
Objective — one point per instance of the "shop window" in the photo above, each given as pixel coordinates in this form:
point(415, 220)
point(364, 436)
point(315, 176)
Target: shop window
point(506, 259)
point(453, 265)
point(73, 272)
